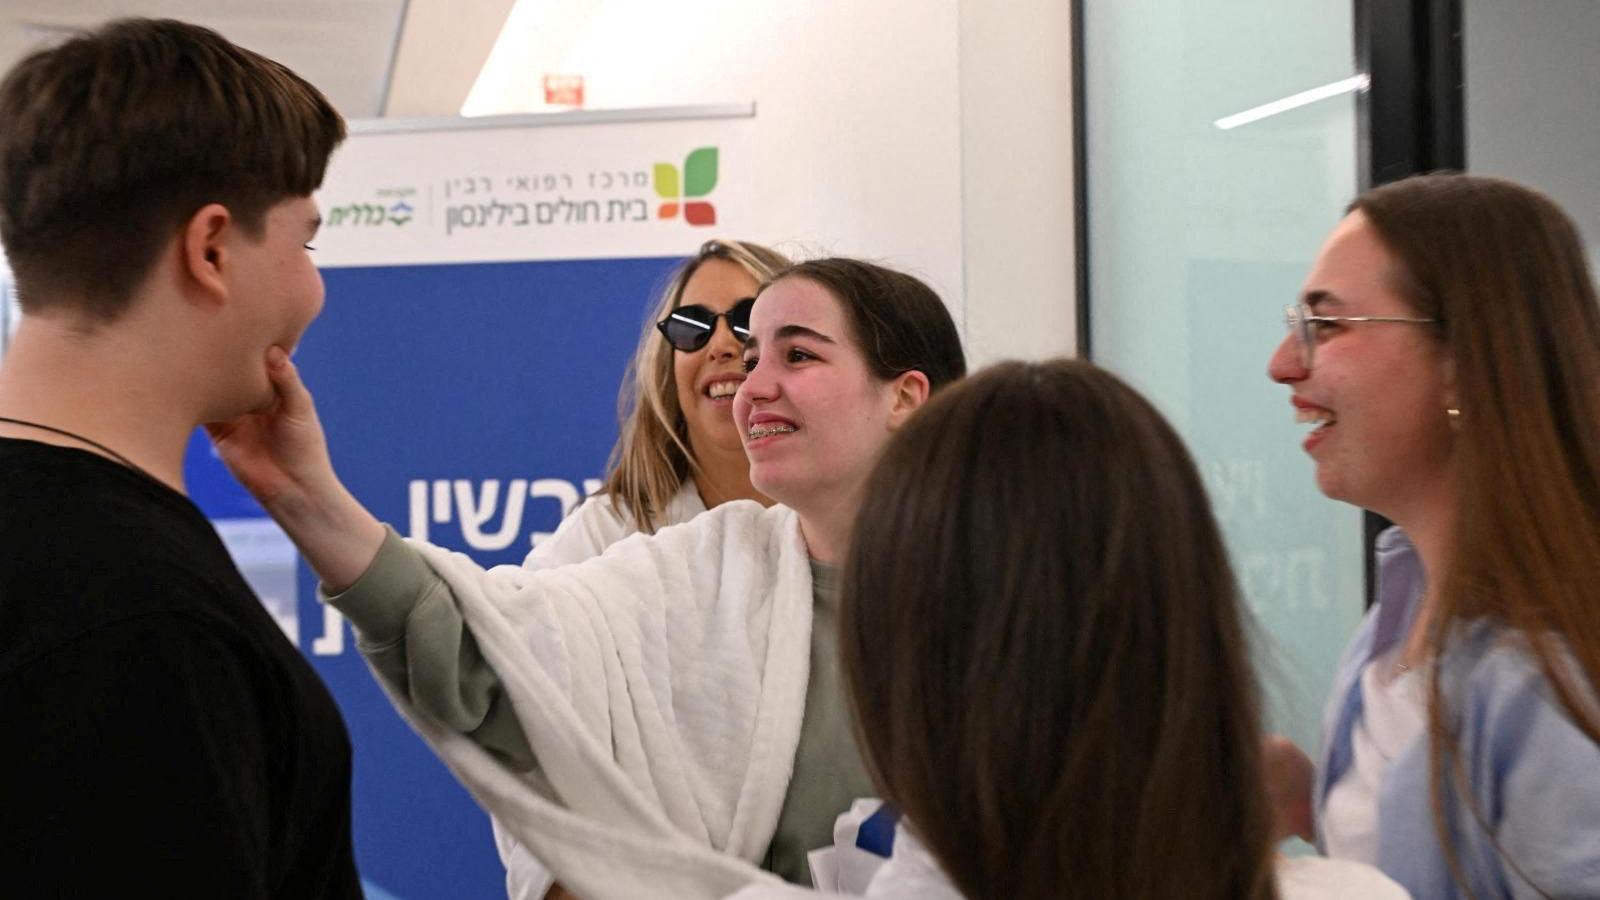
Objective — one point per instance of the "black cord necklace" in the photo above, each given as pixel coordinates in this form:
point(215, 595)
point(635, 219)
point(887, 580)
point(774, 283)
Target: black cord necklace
point(78, 437)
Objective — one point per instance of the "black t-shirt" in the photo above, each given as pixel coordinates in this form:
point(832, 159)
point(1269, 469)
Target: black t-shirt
point(158, 734)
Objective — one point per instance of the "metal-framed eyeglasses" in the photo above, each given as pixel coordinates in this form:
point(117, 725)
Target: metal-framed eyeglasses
point(1303, 324)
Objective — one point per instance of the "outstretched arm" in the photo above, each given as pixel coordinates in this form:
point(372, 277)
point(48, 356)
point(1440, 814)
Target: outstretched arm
point(410, 629)
point(279, 453)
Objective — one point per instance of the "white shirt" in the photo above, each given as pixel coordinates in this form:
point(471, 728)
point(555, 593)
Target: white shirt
point(1394, 713)
point(913, 874)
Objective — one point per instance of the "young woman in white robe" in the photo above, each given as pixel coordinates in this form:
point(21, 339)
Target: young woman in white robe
point(621, 716)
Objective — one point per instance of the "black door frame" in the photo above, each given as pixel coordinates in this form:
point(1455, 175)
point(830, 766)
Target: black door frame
point(1409, 120)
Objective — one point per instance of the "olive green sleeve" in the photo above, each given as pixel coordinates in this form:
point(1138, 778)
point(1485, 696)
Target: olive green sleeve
point(409, 628)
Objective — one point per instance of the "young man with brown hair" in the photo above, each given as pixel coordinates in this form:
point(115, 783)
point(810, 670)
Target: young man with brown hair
point(160, 732)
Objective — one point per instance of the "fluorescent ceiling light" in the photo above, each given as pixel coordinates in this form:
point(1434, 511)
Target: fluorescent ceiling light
point(1256, 113)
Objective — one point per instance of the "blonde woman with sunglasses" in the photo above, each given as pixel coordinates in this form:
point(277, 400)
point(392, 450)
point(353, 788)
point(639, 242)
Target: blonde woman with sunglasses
point(678, 453)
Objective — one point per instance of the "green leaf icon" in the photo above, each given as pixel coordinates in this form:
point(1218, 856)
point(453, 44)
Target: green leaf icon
point(667, 180)
point(700, 172)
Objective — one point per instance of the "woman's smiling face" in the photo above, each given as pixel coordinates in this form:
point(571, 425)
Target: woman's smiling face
point(811, 413)
point(1376, 391)
point(706, 378)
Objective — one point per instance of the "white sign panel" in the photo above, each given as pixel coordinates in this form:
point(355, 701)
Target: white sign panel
point(569, 191)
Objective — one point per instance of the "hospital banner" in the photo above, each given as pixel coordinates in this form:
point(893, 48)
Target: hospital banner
point(485, 290)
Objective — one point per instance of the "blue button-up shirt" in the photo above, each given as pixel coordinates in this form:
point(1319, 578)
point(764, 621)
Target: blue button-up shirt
point(1525, 819)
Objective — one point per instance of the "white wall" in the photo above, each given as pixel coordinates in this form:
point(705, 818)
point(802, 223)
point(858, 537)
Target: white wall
point(1018, 192)
point(930, 134)
point(1531, 70)
point(441, 49)
point(856, 137)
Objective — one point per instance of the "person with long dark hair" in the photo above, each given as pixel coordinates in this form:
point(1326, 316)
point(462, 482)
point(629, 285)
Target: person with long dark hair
point(1446, 351)
point(1047, 656)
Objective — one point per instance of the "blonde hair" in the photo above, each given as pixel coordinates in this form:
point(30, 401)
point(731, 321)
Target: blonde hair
point(652, 458)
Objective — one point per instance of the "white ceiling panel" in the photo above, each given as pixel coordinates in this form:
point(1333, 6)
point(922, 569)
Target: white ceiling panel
point(344, 47)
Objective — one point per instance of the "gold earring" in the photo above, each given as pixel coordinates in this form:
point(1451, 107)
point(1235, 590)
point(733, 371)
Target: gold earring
point(1455, 417)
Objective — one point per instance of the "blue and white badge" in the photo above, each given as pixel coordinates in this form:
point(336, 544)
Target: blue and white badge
point(863, 840)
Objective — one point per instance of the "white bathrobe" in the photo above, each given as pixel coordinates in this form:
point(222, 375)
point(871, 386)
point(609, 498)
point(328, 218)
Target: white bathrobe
point(660, 686)
point(597, 523)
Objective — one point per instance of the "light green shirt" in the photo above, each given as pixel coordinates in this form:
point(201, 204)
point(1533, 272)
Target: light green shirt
point(828, 770)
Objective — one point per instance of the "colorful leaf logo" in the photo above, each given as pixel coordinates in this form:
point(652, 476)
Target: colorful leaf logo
point(699, 179)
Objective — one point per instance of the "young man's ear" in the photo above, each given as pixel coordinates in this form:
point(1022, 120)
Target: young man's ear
point(911, 390)
point(205, 252)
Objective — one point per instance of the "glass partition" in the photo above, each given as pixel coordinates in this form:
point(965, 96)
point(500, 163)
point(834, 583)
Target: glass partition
point(1220, 149)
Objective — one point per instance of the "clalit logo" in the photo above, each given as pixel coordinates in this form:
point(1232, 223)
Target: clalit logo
point(699, 177)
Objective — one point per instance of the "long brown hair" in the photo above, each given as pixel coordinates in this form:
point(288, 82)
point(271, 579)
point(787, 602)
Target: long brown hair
point(652, 457)
point(1503, 269)
point(1045, 648)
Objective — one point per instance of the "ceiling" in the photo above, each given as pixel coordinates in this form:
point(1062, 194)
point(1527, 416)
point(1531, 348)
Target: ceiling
point(371, 57)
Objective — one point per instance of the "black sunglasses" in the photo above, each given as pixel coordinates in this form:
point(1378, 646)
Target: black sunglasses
point(688, 328)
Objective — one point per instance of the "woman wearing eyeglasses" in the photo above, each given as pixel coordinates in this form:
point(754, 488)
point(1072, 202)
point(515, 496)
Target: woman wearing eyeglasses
point(1447, 353)
point(678, 452)
point(682, 690)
